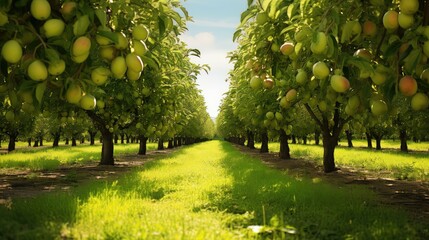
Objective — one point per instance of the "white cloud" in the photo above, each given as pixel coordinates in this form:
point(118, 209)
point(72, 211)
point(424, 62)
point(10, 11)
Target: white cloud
point(200, 40)
point(213, 53)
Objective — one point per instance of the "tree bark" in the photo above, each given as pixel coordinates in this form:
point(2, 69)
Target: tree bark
point(41, 141)
point(74, 142)
point(142, 145)
point(293, 139)
point(92, 137)
point(116, 138)
point(67, 141)
point(304, 140)
point(36, 143)
point(175, 142)
point(284, 145)
point(107, 148)
point(403, 137)
point(12, 139)
point(160, 144)
point(349, 138)
point(250, 139)
point(264, 145)
point(56, 142)
point(368, 139)
point(378, 142)
point(329, 144)
point(29, 142)
point(122, 138)
point(170, 144)
point(317, 137)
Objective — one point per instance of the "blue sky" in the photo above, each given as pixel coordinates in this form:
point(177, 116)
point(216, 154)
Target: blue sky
point(214, 23)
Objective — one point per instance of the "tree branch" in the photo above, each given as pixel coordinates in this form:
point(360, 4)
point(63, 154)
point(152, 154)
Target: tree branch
point(313, 115)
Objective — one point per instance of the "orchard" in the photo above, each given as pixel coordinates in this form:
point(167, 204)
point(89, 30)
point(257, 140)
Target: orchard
point(84, 77)
point(352, 65)
point(120, 63)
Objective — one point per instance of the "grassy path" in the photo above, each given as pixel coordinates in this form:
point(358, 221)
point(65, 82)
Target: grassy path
point(206, 191)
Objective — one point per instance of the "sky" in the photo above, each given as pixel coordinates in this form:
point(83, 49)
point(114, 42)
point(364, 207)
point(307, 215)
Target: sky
point(214, 23)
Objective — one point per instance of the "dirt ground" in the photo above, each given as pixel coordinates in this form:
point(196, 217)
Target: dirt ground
point(413, 196)
point(27, 183)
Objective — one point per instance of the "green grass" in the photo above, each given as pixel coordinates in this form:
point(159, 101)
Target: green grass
point(207, 191)
point(51, 158)
point(413, 165)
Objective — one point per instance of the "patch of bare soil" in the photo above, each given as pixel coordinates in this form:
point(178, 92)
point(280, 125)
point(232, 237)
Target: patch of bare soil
point(412, 196)
point(27, 183)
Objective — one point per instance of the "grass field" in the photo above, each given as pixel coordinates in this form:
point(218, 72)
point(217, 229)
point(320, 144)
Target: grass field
point(207, 191)
point(50, 158)
point(413, 165)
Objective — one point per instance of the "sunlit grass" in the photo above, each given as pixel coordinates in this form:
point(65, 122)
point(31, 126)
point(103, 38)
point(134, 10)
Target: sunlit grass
point(207, 191)
point(413, 165)
point(51, 158)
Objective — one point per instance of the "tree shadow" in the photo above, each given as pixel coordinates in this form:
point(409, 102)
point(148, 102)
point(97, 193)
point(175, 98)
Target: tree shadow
point(318, 210)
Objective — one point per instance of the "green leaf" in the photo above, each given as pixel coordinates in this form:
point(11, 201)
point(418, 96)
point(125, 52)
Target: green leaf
point(40, 90)
point(236, 35)
point(412, 60)
point(150, 62)
point(265, 4)
point(108, 34)
point(52, 55)
point(392, 48)
point(246, 15)
point(161, 26)
point(102, 16)
point(291, 10)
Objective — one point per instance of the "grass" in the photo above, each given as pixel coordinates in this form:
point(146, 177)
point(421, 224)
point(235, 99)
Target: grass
point(207, 191)
point(413, 165)
point(51, 158)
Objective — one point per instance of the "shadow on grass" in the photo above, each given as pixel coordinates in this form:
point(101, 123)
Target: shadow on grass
point(316, 209)
point(47, 216)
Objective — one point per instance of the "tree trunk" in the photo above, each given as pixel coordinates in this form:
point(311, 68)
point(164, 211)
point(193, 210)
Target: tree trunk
point(304, 140)
point(284, 145)
point(368, 139)
point(36, 143)
point(317, 137)
point(293, 139)
point(142, 145)
point(329, 144)
point(74, 142)
point(116, 138)
point(378, 142)
point(12, 140)
point(127, 138)
point(264, 145)
point(122, 138)
point(92, 137)
point(160, 144)
point(170, 144)
point(250, 139)
point(175, 142)
point(67, 141)
point(29, 142)
point(56, 140)
point(349, 138)
point(403, 137)
point(107, 148)
point(41, 141)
